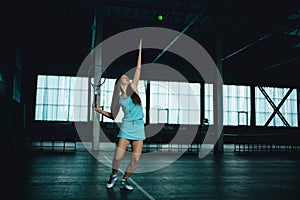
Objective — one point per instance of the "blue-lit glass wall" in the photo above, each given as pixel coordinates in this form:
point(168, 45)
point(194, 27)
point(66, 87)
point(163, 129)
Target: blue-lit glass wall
point(65, 98)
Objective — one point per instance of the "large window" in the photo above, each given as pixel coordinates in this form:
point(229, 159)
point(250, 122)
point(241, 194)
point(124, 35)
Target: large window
point(264, 110)
point(65, 98)
point(236, 105)
point(61, 98)
point(174, 102)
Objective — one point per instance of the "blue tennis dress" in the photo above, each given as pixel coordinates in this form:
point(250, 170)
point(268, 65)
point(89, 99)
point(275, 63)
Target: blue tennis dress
point(132, 127)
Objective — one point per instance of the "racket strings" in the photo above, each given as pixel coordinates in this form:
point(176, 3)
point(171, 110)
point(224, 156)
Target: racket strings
point(92, 78)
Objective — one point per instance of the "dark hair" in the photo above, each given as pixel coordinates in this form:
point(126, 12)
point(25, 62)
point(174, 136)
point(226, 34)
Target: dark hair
point(115, 106)
point(134, 96)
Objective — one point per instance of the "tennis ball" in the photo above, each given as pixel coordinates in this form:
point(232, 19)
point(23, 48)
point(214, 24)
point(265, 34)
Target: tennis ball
point(159, 17)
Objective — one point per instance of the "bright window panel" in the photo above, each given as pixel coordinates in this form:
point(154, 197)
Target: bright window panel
point(264, 110)
point(61, 98)
point(174, 102)
point(236, 105)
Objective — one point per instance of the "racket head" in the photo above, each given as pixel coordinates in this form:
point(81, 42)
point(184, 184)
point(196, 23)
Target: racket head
point(94, 72)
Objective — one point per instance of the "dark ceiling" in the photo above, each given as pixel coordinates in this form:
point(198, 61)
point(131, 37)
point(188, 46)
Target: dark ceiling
point(259, 38)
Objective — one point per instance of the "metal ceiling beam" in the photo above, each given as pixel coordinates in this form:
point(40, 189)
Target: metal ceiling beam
point(175, 39)
point(279, 30)
point(254, 43)
point(282, 63)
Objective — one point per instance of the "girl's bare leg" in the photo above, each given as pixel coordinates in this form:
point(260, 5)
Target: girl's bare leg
point(137, 147)
point(119, 154)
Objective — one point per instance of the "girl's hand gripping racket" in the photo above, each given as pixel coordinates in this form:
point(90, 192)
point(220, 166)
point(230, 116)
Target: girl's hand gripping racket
point(96, 70)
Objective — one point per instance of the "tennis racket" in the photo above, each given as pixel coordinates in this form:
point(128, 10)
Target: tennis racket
point(94, 72)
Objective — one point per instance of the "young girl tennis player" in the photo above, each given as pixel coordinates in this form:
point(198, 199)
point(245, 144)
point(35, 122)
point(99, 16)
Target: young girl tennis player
point(132, 132)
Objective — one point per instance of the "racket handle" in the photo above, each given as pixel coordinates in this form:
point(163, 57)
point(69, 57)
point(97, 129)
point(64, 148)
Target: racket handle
point(95, 100)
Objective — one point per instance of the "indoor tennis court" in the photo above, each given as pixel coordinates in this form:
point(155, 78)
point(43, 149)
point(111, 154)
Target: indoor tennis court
point(144, 99)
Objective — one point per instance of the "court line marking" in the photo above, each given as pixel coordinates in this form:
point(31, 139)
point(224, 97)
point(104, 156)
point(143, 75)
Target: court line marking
point(135, 183)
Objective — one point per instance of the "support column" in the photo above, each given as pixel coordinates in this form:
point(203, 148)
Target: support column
point(218, 117)
point(218, 87)
point(202, 103)
point(253, 109)
point(98, 31)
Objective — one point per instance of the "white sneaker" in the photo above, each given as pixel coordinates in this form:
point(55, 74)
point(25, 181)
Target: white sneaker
point(111, 182)
point(125, 185)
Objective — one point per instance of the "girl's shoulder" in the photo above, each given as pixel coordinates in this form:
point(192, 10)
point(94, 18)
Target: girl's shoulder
point(123, 96)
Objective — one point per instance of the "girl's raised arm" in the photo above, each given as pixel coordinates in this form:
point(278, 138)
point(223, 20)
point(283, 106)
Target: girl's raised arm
point(137, 73)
